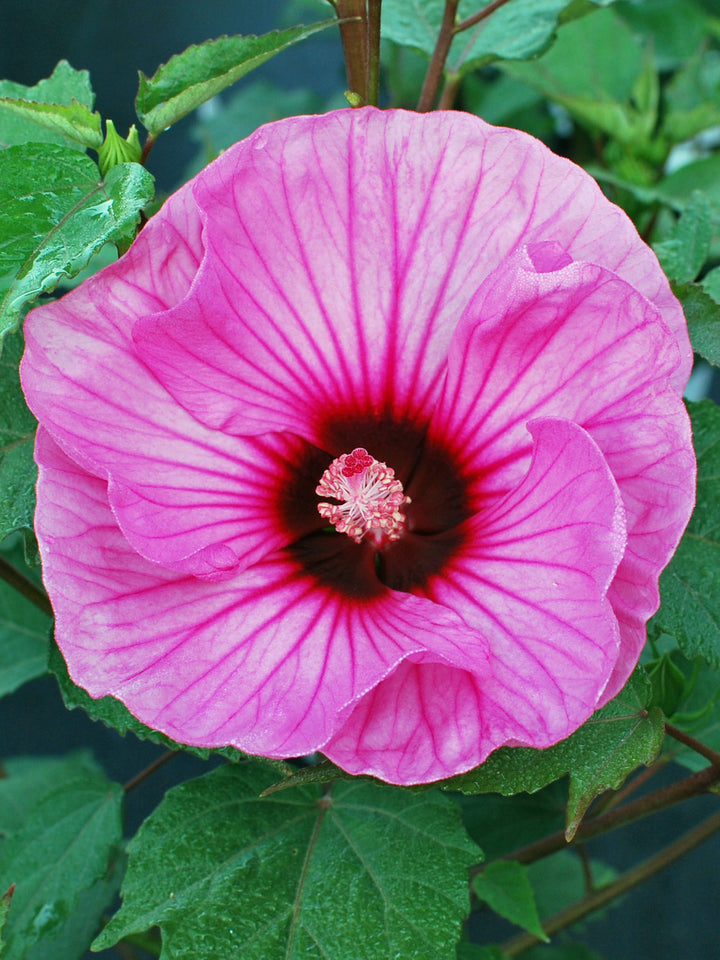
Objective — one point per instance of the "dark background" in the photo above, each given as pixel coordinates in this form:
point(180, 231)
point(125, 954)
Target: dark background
point(113, 40)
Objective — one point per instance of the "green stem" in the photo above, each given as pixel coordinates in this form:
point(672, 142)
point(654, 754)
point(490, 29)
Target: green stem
point(691, 786)
point(373, 34)
point(697, 745)
point(26, 587)
point(449, 92)
point(621, 885)
point(434, 75)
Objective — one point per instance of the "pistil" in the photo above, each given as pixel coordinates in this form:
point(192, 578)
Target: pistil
point(371, 499)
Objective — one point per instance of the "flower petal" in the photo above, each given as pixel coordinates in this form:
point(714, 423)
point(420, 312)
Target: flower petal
point(185, 496)
point(268, 662)
point(544, 337)
point(343, 249)
point(531, 580)
point(423, 723)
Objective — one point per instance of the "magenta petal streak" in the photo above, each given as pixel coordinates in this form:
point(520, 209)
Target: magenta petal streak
point(446, 295)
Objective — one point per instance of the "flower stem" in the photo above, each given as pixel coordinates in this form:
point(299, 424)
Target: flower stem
point(353, 17)
point(373, 47)
point(621, 885)
point(712, 755)
point(26, 587)
point(691, 786)
point(449, 92)
point(434, 75)
point(149, 144)
point(151, 768)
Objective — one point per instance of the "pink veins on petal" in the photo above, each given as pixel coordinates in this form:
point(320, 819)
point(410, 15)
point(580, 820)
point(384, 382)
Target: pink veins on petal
point(372, 443)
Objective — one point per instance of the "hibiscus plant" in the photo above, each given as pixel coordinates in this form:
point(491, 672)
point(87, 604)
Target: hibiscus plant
point(375, 467)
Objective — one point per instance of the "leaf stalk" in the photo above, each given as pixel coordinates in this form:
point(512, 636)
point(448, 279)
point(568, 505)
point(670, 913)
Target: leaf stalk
point(621, 885)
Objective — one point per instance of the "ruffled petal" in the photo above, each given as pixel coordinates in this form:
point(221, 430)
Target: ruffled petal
point(531, 580)
point(344, 248)
point(185, 496)
point(548, 337)
point(269, 661)
point(424, 723)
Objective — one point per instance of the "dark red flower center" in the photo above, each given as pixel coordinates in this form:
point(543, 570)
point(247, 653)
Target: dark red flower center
point(397, 500)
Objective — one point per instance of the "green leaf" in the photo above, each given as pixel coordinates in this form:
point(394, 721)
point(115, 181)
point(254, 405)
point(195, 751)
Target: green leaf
point(115, 714)
point(29, 778)
point(500, 825)
point(560, 880)
point(711, 284)
point(55, 213)
point(683, 254)
point(699, 713)
point(660, 20)
point(573, 950)
point(703, 317)
point(598, 71)
point(598, 757)
point(179, 86)
point(64, 847)
point(597, 58)
point(18, 472)
point(516, 31)
point(690, 585)
point(677, 188)
point(367, 871)
point(472, 951)
point(323, 772)
point(66, 88)
point(505, 887)
point(24, 632)
point(692, 97)
point(74, 122)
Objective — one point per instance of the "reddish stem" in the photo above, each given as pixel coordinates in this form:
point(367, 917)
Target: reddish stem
point(435, 70)
point(477, 17)
point(683, 789)
point(353, 18)
point(151, 768)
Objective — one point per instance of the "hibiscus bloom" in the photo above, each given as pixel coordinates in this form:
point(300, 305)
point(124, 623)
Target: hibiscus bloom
point(373, 444)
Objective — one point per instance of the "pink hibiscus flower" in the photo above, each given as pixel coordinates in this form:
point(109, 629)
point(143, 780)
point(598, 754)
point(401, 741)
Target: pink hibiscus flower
point(371, 444)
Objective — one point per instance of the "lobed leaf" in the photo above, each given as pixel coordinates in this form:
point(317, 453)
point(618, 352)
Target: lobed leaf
point(598, 757)
point(711, 283)
point(505, 887)
point(298, 874)
point(690, 585)
point(24, 632)
point(703, 317)
point(73, 122)
point(515, 31)
point(66, 89)
point(683, 254)
point(63, 846)
point(55, 213)
point(499, 825)
point(18, 472)
point(202, 71)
